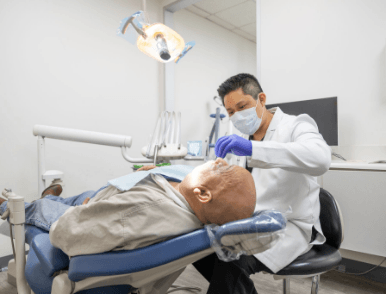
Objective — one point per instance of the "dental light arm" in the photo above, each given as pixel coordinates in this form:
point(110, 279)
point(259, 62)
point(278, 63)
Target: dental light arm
point(82, 136)
point(165, 143)
point(136, 20)
point(124, 142)
point(133, 160)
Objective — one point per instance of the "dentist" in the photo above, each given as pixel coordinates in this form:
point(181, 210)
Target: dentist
point(284, 154)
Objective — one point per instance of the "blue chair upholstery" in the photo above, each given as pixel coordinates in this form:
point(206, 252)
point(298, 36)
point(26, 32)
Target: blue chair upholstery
point(110, 263)
point(31, 232)
point(52, 259)
point(35, 272)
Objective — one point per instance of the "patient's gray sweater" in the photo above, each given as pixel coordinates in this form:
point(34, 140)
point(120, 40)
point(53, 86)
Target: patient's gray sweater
point(115, 220)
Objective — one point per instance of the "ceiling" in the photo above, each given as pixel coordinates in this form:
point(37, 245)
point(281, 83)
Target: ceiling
point(238, 16)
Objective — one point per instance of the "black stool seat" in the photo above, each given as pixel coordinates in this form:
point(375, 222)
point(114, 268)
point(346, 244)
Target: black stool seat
point(319, 259)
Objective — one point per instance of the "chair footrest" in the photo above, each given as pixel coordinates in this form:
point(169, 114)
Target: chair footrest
point(51, 258)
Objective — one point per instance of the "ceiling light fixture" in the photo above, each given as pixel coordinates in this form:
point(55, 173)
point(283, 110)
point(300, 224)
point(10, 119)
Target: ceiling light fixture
point(156, 40)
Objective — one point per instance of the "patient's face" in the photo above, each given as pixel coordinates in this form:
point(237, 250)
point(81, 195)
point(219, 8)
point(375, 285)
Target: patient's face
point(209, 170)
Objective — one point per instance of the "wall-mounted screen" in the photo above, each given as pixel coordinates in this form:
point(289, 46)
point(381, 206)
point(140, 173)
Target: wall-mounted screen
point(324, 111)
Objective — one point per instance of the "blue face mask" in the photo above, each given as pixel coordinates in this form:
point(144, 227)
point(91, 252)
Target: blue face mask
point(247, 121)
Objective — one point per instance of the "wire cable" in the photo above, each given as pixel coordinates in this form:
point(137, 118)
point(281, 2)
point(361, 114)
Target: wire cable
point(216, 97)
point(4, 217)
point(13, 245)
point(338, 155)
point(359, 274)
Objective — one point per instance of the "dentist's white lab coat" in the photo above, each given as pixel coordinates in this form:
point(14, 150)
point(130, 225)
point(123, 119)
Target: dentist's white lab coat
point(285, 166)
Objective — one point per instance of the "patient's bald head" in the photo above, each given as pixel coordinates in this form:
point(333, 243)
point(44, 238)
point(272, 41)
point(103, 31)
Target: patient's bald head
point(219, 193)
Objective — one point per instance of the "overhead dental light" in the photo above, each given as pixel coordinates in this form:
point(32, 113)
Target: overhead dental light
point(156, 40)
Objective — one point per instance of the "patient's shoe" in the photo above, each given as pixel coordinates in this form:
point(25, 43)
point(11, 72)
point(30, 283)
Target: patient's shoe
point(2, 200)
point(55, 189)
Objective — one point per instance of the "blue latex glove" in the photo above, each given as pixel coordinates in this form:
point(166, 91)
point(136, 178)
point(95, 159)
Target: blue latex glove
point(233, 144)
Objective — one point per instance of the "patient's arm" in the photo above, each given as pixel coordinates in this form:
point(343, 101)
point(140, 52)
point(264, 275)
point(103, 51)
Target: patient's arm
point(120, 224)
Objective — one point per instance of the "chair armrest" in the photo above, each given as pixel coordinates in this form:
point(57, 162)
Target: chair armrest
point(51, 258)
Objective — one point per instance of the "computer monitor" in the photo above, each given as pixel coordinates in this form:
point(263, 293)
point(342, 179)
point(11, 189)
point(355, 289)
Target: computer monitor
point(324, 111)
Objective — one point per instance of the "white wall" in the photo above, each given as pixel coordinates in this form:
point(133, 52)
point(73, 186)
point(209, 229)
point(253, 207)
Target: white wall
point(61, 64)
point(218, 55)
point(316, 49)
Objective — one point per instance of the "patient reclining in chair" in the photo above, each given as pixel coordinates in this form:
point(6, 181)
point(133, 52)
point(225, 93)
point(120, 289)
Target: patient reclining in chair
point(153, 210)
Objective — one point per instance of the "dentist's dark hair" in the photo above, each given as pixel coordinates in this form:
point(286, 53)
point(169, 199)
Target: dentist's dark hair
point(247, 82)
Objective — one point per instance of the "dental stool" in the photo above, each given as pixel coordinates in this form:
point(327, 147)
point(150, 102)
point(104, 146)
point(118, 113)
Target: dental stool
point(321, 258)
point(151, 269)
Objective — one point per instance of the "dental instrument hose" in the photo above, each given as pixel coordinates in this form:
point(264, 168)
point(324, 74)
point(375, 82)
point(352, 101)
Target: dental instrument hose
point(10, 230)
point(5, 215)
point(13, 245)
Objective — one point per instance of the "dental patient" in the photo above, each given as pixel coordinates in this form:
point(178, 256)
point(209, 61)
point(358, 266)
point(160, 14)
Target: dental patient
point(152, 211)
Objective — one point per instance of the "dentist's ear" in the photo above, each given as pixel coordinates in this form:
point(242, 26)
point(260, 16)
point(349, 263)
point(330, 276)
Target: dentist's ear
point(262, 98)
point(203, 195)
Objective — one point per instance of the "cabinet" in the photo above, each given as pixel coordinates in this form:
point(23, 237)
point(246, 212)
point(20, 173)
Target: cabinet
point(361, 194)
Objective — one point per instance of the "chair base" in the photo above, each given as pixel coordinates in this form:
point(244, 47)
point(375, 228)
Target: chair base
point(11, 273)
point(314, 286)
point(279, 277)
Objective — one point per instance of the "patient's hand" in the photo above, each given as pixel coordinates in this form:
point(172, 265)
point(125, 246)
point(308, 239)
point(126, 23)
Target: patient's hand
point(146, 167)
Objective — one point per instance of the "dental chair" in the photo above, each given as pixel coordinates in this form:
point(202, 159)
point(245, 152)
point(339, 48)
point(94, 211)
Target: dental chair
point(151, 269)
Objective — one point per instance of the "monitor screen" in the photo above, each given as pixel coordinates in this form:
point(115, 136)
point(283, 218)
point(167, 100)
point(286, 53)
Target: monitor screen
point(324, 111)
